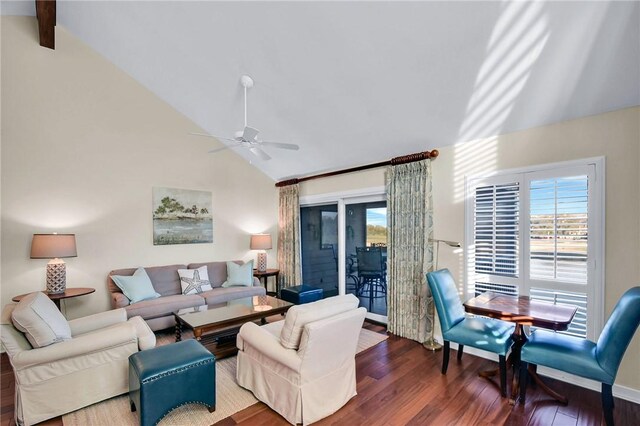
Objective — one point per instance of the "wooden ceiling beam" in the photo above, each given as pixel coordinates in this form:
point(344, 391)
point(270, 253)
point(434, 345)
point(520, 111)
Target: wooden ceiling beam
point(46, 15)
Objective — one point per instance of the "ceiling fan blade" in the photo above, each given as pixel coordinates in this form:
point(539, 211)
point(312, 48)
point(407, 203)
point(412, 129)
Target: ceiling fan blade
point(249, 134)
point(212, 136)
point(260, 153)
point(219, 149)
point(290, 146)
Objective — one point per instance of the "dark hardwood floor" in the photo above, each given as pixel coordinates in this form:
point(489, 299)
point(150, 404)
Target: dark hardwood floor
point(399, 383)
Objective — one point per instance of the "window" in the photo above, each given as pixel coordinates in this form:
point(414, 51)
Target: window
point(539, 232)
point(376, 226)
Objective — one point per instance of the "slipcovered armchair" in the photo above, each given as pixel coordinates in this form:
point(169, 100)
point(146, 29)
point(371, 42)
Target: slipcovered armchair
point(65, 376)
point(597, 361)
point(483, 333)
point(303, 367)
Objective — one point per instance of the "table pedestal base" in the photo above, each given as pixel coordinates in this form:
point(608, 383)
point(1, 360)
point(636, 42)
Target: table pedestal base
point(519, 338)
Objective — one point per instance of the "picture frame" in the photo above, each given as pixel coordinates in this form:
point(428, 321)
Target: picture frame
point(182, 216)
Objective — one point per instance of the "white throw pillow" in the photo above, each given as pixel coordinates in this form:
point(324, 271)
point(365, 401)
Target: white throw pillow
point(194, 281)
point(40, 320)
point(239, 275)
point(300, 315)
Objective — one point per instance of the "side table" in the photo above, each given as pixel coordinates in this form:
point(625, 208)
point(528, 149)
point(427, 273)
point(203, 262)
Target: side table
point(67, 294)
point(264, 278)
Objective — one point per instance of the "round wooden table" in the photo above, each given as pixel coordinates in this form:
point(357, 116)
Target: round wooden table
point(67, 294)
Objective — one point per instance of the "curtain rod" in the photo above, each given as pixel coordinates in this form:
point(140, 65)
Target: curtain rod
point(393, 162)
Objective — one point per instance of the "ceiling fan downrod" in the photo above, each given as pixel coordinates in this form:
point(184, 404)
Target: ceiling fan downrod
point(247, 83)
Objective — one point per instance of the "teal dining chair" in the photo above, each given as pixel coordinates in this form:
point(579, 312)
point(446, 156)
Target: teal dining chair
point(479, 332)
point(597, 361)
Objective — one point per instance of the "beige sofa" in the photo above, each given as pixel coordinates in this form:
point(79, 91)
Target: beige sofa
point(158, 313)
point(66, 376)
point(303, 367)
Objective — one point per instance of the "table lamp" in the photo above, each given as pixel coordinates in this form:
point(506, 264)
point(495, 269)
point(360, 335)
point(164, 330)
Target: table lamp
point(261, 242)
point(54, 247)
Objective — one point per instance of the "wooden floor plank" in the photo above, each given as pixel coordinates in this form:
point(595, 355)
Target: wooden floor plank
point(399, 383)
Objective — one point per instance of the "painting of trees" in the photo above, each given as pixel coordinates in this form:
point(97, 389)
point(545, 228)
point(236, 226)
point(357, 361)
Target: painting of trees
point(181, 216)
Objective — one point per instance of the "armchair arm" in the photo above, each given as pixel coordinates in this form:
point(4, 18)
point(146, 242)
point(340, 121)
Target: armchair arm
point(146, 338)
point(97, 321)
point(119, 300)
point(264, 342)
point(115, 335)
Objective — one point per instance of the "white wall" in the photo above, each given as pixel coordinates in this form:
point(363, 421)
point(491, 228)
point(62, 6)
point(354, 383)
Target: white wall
point(615, 135)
point(82, 146)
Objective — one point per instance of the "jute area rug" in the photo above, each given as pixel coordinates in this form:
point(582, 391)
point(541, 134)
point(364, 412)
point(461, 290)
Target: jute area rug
point(230, 398)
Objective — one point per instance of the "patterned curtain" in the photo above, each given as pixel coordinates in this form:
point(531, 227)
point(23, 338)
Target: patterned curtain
point(289, 237)
point(410, 252)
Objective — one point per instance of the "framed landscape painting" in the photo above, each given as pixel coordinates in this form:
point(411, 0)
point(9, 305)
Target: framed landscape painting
point(181, 216)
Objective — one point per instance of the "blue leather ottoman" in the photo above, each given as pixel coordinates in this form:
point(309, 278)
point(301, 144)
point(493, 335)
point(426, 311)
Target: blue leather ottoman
point(301, 294)
point(166, 377)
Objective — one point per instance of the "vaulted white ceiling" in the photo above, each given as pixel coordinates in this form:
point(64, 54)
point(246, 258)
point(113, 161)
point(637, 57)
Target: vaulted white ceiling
point(358, 82)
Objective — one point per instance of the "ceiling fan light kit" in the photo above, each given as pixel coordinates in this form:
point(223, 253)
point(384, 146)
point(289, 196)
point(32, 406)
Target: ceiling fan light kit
point(248, 137)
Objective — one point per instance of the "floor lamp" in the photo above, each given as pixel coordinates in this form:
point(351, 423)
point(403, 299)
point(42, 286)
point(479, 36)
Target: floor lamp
point(431, 343)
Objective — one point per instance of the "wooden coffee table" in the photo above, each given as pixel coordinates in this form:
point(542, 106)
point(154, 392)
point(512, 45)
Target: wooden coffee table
point(217, 327)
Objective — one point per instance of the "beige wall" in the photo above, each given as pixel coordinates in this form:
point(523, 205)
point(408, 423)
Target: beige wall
point(82, 146)
point(615, 135)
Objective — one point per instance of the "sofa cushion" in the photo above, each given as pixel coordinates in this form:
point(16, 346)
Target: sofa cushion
point(194, 281)
point(136, 287)
point(217, 271)
point(298, 316)
point(165, 279)
point(163, 306)
point(222, 295)
point(40, 320)
point(239, 275)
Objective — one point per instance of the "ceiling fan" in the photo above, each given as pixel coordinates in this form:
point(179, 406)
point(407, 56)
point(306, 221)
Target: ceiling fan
point(248, 137)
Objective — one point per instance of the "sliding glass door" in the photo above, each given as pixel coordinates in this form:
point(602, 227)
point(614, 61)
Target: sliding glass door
point(366, 254)
point(344, 247)
point(319, 241)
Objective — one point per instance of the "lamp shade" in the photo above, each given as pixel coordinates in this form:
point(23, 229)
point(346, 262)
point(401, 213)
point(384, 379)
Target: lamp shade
point(260, 242)
point(51, 246)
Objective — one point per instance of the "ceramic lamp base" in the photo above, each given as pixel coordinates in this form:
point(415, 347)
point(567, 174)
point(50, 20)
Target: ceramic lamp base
point(56, 277)
point(262, 262)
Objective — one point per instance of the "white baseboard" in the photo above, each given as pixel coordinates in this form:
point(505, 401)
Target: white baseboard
point(622, 392)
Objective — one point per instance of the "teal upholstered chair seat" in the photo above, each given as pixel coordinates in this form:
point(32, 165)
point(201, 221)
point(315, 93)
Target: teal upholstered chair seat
point(592, 360)
point(570, 354)
point(482, 333)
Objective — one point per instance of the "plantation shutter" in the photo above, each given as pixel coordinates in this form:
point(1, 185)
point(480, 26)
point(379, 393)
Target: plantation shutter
point(539, 233)
point(558, 237)
point(559, 229)
point(496, 236)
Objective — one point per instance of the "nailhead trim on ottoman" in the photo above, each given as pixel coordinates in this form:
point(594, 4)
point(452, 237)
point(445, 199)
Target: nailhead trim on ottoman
point(164, 378)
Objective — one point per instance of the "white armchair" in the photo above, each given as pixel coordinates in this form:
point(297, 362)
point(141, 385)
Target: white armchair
point(65, 376)
point(315, 375)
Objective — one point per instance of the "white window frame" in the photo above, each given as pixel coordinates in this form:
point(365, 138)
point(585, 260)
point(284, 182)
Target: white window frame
point(595, 289)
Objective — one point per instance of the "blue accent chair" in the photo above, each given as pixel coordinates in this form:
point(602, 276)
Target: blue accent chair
point(593, 360)
point(479, 332)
